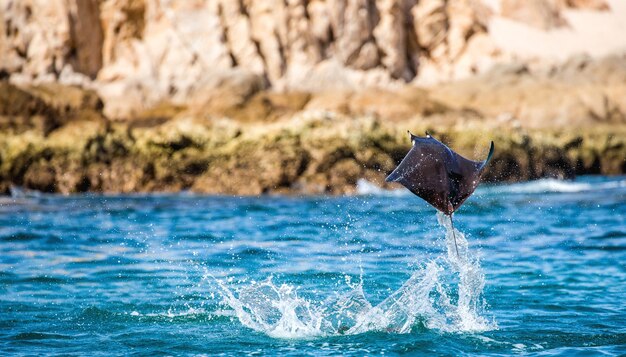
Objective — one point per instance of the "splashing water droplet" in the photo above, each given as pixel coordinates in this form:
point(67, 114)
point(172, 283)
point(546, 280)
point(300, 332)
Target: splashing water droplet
point(423, 301)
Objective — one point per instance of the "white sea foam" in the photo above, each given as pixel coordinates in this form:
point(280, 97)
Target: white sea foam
point(548, 185)
point(364, 187)
point(545, 185)
point(425, 300)
point(171, 313)
point(19, 192)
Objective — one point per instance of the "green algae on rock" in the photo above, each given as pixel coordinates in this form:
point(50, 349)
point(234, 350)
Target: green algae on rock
point(312, 155)
point(55, 139)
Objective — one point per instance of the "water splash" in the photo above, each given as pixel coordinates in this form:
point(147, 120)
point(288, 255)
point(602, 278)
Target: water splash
point(426, 300)
point(471, 278)
point(275, 310)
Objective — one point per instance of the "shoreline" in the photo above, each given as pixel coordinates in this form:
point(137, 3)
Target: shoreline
point(369, 189)
point(309, 154)
point(244, 140)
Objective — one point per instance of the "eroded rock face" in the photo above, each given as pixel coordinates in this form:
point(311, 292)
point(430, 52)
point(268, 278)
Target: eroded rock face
point(45, 107)
point(48, 40)
point(86, 37)
point(599, 5)
point(543, 14)
point(567, 121)
point(573, 95)
point(142, 52)
point(313, 153)
point(21, 111)
point(546, 14)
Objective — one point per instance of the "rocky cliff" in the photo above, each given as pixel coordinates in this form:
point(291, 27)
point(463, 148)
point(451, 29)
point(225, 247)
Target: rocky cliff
point(561, 123)
point(304, 96)
point(139, 53)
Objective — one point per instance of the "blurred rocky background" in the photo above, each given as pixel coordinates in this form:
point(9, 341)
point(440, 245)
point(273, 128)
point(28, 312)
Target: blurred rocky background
point(303, 96)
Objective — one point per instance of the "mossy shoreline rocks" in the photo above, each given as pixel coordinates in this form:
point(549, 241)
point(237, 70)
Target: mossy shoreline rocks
point(56, 139)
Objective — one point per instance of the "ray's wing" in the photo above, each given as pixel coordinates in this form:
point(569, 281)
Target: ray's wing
point(465, 176)
point(424, 171)
point(437, 174)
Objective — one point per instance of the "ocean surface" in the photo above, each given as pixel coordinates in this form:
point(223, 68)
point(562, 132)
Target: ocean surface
point(540, 270)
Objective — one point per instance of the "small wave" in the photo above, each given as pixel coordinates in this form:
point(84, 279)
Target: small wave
point(94, 315)
point(23, 237)
point(366, 188)
point(609, 235)
point(172, 314)
point(45, 279)
point(548, 185)
point(423, 301)
point(545, 185)
point(19, 192)
point(30, 336)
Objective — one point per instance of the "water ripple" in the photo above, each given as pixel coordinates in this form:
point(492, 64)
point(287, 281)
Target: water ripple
point(360, 275)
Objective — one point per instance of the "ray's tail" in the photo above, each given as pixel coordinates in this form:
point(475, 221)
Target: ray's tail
point(454, 236)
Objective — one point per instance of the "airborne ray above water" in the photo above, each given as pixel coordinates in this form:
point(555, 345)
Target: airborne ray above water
point(440, 176)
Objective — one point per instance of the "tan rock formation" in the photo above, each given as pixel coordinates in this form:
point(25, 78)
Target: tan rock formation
point(139, 53)
point(247, 140)
point(86, 36)
point(598, 5)
point(543, 14)
point(147, 51)
point(546, 14)
point(582, 91)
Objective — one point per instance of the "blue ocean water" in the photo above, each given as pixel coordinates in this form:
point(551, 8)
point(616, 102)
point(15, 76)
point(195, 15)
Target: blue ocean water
point(540, 271)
